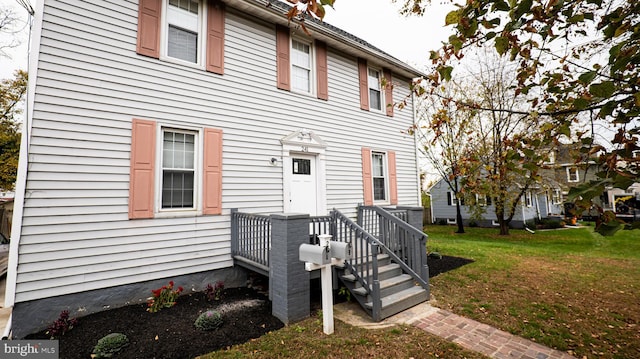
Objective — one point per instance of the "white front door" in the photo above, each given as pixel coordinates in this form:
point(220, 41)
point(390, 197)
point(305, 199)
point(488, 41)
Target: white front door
point(303, 196)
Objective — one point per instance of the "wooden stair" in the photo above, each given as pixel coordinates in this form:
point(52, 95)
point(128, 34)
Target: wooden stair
point(398, 291)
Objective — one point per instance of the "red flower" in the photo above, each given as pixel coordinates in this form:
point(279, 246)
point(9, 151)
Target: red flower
point(156, 292)
point(171, 284)
point(180, 289)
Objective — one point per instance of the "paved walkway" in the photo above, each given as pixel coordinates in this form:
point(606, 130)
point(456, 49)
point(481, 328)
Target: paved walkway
point(465, 332)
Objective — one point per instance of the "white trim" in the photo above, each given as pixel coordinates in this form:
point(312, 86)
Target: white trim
point(23, 161)
point(385, 176)
point(417, 156)
point(160, 212)
point(451, 221)
point(307, 143)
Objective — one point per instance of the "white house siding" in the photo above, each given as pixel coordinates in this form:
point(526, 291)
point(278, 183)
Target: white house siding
point(76, 235)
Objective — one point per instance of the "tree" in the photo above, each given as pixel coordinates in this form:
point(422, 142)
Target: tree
point(12, 92)
point(9, 22)
point(556, 46)
point(509, 147)
point(442, 132)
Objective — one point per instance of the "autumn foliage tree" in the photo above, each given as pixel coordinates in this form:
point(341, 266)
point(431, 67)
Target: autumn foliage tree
point(12, 92)
point(443, 136)
point(574, 60)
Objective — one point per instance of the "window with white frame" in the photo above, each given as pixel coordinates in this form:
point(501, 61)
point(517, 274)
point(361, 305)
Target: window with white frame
point(375, 89)
point(572, 174)
point(528, 199)
point(184, 30)
point(556, 197)
point(379, 176)
point(178, 169)
point(482, 200)
point(301, 66)
point(452, 200)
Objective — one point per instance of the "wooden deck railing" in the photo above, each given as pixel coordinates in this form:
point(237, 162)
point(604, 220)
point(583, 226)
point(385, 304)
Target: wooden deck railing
point(405, 242)
point(251, 238)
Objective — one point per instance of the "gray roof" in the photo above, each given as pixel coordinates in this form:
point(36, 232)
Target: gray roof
point(276, 10)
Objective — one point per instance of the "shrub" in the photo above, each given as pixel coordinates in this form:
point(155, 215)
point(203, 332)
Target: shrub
point(62, 325)
point(442, 222)
point(214, 292)
point(109, 345)
point(209, 320)
point(164, 297)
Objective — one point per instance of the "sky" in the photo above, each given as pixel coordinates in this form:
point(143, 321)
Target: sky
point(375, 21)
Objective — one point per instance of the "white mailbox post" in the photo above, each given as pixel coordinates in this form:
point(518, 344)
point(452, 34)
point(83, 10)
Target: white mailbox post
point(322, 257)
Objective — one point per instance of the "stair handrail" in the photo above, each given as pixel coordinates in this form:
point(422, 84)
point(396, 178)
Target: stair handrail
point(364, 271)
point(419, 271)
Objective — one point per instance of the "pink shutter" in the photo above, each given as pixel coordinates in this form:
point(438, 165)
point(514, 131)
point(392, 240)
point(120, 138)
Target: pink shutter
point(393, 177)
point(363, 77)
point(388, 92)
point(282, 50)
point(322, 70)
point(215, 37)
point(149, 24)
point(212, 176)
point(367, 181)
point(141, 179)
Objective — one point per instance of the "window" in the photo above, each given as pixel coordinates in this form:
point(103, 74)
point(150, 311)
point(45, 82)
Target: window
point(572, 174)
point(174, 171)
point(372, 94)
point(178, 169)
point(175, 29)
point(556, 197)
point(528, 199)
point(452, 200)
point(375, 93)
point(301, 166)
point(483, 201)
point(379, 176)
point(301, 66)
point(183, 29)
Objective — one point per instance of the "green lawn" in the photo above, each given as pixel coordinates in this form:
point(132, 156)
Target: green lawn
point(571, 289)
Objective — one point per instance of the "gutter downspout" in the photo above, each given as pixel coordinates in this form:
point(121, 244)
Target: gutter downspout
point(23, 162)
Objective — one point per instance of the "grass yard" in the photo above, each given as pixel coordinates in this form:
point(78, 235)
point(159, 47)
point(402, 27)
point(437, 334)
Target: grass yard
point(306, 340)
point(569, 289)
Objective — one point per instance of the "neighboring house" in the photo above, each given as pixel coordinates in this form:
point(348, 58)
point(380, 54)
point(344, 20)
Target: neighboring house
point(537, 203)
point(568, 168)
point(148, 123)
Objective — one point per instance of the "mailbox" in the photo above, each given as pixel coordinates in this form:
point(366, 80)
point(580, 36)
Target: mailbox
point(315, 254)
point(340, 250)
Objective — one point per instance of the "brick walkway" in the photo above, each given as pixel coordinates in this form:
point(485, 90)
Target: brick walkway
point(483, 338)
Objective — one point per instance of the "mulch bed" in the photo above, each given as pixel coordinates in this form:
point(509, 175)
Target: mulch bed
point(170, 333)
point(445, 264)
